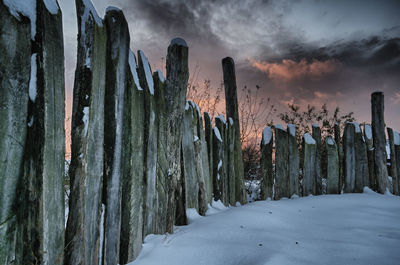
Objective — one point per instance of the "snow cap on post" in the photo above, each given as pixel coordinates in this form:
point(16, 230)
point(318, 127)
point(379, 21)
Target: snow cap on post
point(308, 139)
point(147, 71)
point(178, 41)
point(279, 126)
point(292, 130)
point(266, 135)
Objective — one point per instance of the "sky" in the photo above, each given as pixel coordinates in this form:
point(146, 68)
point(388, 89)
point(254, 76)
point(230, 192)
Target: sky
point(301, 52)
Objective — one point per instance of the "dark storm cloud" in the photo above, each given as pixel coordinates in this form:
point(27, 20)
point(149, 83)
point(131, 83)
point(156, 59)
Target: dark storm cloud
point(374, 52)
point(188, 17)
point(231, 25)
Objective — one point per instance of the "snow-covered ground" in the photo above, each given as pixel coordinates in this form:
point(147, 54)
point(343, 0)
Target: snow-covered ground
point(328, 229)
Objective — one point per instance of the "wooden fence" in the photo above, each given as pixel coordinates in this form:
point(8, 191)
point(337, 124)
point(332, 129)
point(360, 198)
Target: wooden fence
point(346, 164)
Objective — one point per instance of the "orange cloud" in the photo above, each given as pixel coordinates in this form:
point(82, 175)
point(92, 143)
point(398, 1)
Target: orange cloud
point(321, 95)
point(396, 98)
point(289, 70)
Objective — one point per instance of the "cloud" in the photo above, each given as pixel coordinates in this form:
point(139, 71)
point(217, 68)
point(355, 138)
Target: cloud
point(290, 70)
point(396, 98)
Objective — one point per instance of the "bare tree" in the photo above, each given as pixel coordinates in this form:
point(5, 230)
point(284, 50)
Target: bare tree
point(323, 117)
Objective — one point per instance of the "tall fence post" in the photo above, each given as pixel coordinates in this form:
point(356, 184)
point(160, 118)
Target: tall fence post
point(281, 163)
point(267, 173)
point(309, 154)
point(397, 151)
point(87, 139)
point(231, 160)
point(218, 171)
point(316, 134)
point(114, 141)
point(379, 139)
point(220, 123)
point(293, 160)
point(393, 161)
point(228, 67)
point(189, 164)
point(161, 182)
point(362, 172)
point(133, 184)
point(209, 140)
point(332, 167)
point(370, 155)
point(349, 158)
point(339, 146)
point(201, 160)
point(175, 97)
point(14, 124)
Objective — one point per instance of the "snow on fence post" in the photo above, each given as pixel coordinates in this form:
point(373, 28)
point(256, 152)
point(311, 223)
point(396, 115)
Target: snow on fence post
point(266, 164)
point(230, 134)
point(349, 158)
point(397, 151)
point(316, 134)
point(220, 123)
point(379, 140)
point(41, 218)
point(87, 135)
point(332, 166)
point(228, 67)
point(339, 146)
point(393, 161)
point(293, 160)
point(133, 179)
point(309, 154)
point(175, 97)
point(370, 155)
point(201, 164)
point(188, 160)
point(209, 140)
point(16, 64)
point(281, 185)
point(114, 141)
point(218, 170)
point(360, 148)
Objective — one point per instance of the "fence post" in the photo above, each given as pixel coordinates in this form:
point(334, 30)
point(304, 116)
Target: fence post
point(339, 146)
point(349, 158)
point(87, 135)
point(175, 97)
point(316, 134)
point(397, 151)
point(393, 162)
point(370, 155)
point(162, 165)
point(231, 160)
point(202, 166)
point(133, 184)
point(14, 124)
point(379, 140)
point(220, 123)
point(218, 171)
point(114, 140)
point(309, 154)
point(281, 163)
point(266, 164)
point(228, 67)
point(293, 159)
point(209, 140)
point(360, 148)
point(332, 166)
point(188, 160)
